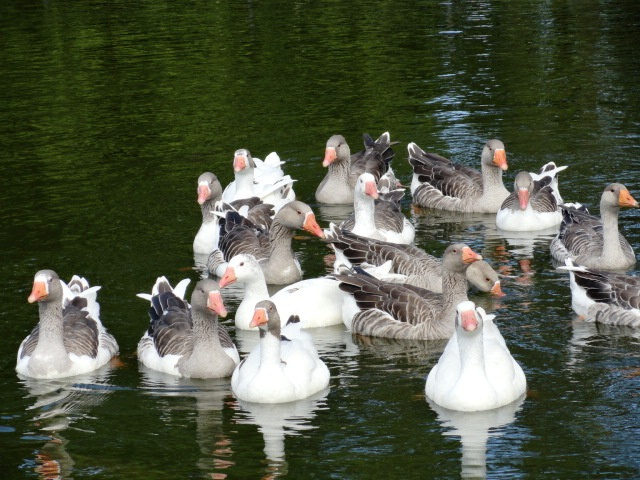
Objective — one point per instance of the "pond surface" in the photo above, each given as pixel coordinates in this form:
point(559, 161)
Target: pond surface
point(110, 112)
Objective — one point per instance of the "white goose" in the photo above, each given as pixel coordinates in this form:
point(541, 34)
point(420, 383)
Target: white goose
point(262, 179)
point(279, 369)
point(593, 242)
point(476, 370)
point(344, 169)
point(69, 338)
point(316, 301)
point(532, 206)
point(187, 340)
point(441, 184)
point(604, 297)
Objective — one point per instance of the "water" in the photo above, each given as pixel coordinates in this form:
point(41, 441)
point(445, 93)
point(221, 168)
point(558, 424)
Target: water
point(110, 112)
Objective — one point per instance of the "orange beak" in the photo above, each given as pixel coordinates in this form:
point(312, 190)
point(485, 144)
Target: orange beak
point(239, 163)
point(204, 192)
point(500, 159)
point(468, 320)
point(38, 292)
point(228, 278)
point(311, 226)
point(496, 290)
point(469, 256)
point(214, 302)
point(371, 189)
point(259, 318)
point(523, 198)
point(626, 200)
point(329, 156)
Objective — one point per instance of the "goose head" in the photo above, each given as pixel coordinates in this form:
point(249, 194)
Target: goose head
point(484, 278)
point(46, 287)
point(494, 155)
point(240, 268)
point(206, 297)
point(266, 318)
point(467, 319)
point(296, 214)
point(209, 187)
point(337, 150)
point(458, 257)
point(523, 185)
point(616, 195)
point(366, 186)
point(242, 160)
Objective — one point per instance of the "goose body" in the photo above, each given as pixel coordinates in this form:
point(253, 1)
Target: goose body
point(444, 185)
point(595, 242)
point(316, 301)
point(338, 185)
point(69, 338)
point(390, 310)
point(476, 370)
point(280, 369)
point(605, 297)
point(187, 340)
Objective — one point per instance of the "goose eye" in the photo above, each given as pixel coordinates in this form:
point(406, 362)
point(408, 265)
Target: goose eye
point(299, 212)
point(487, 279)
point(455, 250)
point(242, 264)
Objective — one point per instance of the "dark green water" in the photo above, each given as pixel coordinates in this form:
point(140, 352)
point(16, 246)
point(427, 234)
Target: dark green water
point(111, 110)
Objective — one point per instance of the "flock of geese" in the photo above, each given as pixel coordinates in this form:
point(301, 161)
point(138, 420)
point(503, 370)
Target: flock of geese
point(382, 285)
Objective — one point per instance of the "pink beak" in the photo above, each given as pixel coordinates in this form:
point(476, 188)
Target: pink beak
point(371, 189)
point(523, 198)
point(469, 320)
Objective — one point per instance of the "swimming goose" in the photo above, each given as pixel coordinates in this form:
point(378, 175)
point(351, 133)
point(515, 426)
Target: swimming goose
point(411, 264)
point(442, 184)
point(187, 340)
point(279, 369)
point(595, 242)
point(605, 297)
point(316, 301)
point(476, 370)
point(389, 310)
point(272, 249)
point(344, 169)
point(69, 339)
point(384, 221)
point(531, 206)
point(257, 178)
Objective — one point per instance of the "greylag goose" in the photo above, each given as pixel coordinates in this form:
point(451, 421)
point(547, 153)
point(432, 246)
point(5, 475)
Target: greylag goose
point(281, 368)
point(414, 265)
point(257, 178)
point(383, 220)
point(605, 297)
point(389, 310)
point(69, 339)
point(444, 185)
point(595, 242)
point(187, 340)
point(344, 169)
point(273, 248)
point(316, 301)
point(476, 370)
point(531, 206)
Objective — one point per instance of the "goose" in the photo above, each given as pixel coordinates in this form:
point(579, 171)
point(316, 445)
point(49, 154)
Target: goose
point(69, 339)
point(389, 310)
point(273, 248)
point(409, 264)
point(344, 169)
point(257, 178)
point(280, 369)
point(592, 242)
point(444, 185)
point(384, 221)
point(604, 297)
point(532, 206)
point(476, 370)
point(316, 301)
point(187, 340)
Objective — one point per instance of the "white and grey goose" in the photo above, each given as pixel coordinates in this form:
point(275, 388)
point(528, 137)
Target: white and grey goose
point(409, 264)
point(272, 249)
point(257, 178)
point(338, 185)
point(605, 297)
point(595, 242)
point(187, 340)
point(441, 184)
point(476, 370)
point(69, 339)
point(281, 368)
point(389, 310)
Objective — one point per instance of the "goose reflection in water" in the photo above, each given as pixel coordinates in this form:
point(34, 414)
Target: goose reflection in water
point(474, 430)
